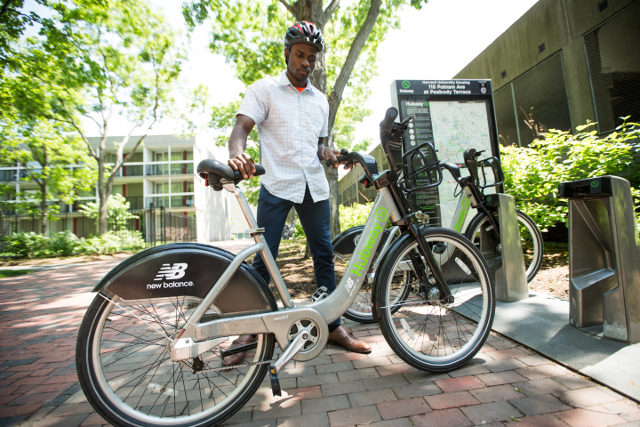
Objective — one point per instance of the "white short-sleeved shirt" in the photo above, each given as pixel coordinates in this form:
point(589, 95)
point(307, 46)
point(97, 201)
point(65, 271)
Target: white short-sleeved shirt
point(289, 124)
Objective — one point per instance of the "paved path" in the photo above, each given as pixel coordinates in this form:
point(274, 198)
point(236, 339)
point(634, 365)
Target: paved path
point(505, 384)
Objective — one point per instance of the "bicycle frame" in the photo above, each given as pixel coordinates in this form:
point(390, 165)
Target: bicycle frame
point(466, 201)
point(470, 197)
point(189, 343)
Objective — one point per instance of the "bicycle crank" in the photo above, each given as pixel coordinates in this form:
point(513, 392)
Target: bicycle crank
point(304, 339)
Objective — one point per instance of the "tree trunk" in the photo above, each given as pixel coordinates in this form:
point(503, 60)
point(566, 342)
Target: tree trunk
point(102, 197)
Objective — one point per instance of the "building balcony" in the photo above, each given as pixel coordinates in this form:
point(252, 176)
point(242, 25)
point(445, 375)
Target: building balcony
point(182, 169)
point(135, 203)
point(15, 174)
point(131, 170)
point(183, 200)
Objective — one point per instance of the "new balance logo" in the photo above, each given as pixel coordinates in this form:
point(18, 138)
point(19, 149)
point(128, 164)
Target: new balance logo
point(171, 272)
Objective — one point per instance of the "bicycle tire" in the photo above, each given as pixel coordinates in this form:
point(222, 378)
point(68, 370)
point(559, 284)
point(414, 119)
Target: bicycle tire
point(530, 239)
point(361, 309)
point(425, 332)
point(126, 372)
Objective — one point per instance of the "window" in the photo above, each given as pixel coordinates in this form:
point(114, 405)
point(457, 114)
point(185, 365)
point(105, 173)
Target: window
point(614, 68)
point(182, 187)
point(160, 156)
point(505, 115)
point(180, 155)
point(160, 187)
point(135, 157)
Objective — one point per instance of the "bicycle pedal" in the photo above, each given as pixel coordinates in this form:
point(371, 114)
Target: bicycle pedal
point(321, 293)
point(275, 382)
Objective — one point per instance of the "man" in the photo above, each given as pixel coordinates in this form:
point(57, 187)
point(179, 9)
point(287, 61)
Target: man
point(292, 119)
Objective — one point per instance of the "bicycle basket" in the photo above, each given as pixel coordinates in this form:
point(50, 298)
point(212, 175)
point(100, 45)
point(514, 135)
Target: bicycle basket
point(420, 169)
point(489, 173)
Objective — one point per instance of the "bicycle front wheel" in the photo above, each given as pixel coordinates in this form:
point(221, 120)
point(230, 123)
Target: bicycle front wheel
point(530, 239)
point(125, 368)
point(424, 330)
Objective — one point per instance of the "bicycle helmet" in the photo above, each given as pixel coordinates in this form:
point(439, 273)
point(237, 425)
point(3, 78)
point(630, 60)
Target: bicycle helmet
point(304, 32)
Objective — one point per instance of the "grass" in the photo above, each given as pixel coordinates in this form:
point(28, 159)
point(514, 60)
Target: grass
point(13, 273)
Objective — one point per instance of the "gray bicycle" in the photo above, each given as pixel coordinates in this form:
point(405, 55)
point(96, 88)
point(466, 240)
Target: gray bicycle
point(150, 347)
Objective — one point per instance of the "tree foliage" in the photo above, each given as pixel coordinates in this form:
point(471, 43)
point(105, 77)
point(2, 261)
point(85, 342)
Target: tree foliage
point(14, 21)
point(96, 62)
point(54, 159)
point(532, 174)
point(118, 212)
point(249, 35)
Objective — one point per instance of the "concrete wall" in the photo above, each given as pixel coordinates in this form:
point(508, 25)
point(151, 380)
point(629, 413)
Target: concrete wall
point(549, 27)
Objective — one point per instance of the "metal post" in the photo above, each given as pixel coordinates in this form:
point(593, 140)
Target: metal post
point(511, 282)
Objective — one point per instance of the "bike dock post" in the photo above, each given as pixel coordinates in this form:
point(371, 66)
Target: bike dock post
point(505, 257)
point(604, 257)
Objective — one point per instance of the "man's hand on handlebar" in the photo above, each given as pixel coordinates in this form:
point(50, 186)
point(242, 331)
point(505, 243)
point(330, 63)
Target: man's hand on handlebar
point(244, 164)
point(333, 159)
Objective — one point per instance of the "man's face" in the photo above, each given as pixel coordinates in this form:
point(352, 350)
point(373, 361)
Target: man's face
point(301, 62)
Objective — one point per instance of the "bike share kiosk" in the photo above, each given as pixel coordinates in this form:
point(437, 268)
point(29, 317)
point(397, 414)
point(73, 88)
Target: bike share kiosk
point(454, 115)
point(604, 259)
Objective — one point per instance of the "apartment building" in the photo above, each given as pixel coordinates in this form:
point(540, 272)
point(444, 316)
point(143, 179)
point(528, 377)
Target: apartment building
point(158, 179)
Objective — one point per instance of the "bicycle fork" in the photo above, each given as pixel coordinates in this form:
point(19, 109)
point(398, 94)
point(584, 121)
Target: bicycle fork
point(445, 293)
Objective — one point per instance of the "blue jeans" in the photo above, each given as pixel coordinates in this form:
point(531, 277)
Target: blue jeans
point(315, 221)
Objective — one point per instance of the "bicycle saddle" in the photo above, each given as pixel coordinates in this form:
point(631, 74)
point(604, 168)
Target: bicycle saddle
point(215, 173)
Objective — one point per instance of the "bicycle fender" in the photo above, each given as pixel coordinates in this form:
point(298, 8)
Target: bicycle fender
point(374, 300)
point(188, 269)
point(345, 242)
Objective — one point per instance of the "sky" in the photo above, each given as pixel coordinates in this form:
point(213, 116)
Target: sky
point(432, 43)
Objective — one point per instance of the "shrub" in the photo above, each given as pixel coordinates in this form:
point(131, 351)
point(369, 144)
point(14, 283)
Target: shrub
point(350, 216)
point(532, 174)
point(65, 243)
point(118, 212)
point(112, 242)
point(27, 245)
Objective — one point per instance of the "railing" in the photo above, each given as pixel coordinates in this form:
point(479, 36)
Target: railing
point(182, 169)
point(160, 169)
point(157, 225)
point(131, 170)
point(136, 202)
point(11, 175)
point(174, 200)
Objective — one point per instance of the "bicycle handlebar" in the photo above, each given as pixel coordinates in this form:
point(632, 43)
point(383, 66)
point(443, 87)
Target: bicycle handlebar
point(386, 124)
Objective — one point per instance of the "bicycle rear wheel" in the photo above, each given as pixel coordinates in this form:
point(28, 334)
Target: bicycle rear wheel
point(125, 368)
point(423, 330)
point(530, 239)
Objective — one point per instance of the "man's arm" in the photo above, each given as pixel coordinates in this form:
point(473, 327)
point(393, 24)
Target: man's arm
point(238, 159)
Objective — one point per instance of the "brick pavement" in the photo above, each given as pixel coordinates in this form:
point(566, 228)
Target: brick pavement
point(505, 384)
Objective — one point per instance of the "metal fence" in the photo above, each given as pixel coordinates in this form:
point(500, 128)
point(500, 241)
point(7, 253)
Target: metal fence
point(157, 225)
point(162, 226)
